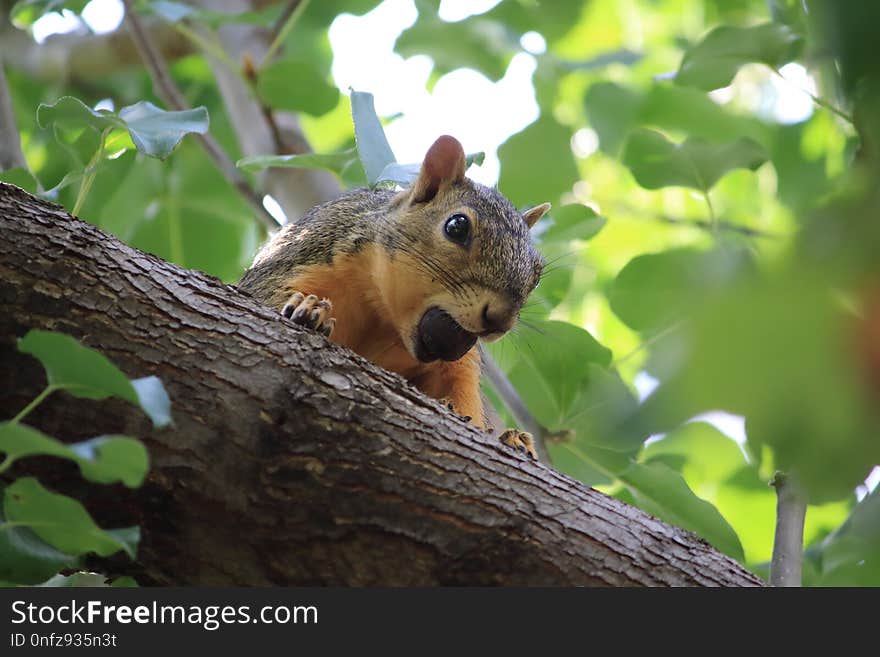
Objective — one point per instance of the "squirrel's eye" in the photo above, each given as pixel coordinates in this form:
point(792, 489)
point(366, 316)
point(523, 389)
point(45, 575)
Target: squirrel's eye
point(457, 228)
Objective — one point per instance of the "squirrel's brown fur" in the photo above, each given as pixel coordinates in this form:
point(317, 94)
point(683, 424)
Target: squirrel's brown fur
point(383, 259)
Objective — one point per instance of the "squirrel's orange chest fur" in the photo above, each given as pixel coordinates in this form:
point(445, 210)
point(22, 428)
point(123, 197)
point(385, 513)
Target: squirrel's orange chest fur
point(369, 292)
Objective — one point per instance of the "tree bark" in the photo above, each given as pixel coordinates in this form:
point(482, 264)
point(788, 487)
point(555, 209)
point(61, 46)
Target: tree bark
point(292, 461)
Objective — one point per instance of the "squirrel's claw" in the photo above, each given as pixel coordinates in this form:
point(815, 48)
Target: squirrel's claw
point(310, 312)
point(448, 404)
point(519, 440)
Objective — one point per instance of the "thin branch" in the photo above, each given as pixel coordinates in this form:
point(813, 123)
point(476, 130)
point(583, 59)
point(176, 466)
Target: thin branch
point(659, 335)
point(788, 543)
point(36, 401)
point(514, 403)
point(81, 58)
point(713, 218)
point(719, 225)
point(89, 174)
point(821, 102)
point(11, 155)
point(168, 91)
point(285, 23)
point(205, 45)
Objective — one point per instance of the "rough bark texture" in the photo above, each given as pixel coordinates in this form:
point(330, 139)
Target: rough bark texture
point(293, 461)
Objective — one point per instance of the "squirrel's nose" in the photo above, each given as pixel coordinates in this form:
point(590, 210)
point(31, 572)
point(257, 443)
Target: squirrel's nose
point(495, 321)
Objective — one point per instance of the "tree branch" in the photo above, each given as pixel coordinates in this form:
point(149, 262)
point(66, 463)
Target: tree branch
point(86, 58)
point(292, 460)
point(788, 543)
point(717, 224)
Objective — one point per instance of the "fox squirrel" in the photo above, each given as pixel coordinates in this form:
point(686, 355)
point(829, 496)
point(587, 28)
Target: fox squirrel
point(410, 279)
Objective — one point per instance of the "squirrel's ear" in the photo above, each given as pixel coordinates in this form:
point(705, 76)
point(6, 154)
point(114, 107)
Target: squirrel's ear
point(531, 216)
point(444, 164)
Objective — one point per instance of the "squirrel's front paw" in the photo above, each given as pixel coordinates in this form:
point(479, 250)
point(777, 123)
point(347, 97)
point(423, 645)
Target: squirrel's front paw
point(448, 404)
point(310, 312)
point(519, 440)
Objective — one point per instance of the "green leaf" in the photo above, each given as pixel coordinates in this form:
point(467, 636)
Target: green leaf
point(714, 61)
point(296, 84)
point(81, 371)
point(537, 164)
point(27, 559)
point(20, 177)
point(19, 440)
point(850, 561)
point(84, 372)
point(552, 20)
point(481, 44)
point(487, 42)
point(156, 132)
point(124, 582)
point(715, 468)
point(554, 382)
point(572, 222)
point(69, 179)
point(372, 146)
point(663, 492)
point(614, 110)
point(779, 351)
point(62, 522)
point(68, 112)
point(105, 459)
point(556, 278)
point(850, 556)
point(344, 164)
point(708, 456)
point(656, 162)
point(657, 289)
point(589, 464)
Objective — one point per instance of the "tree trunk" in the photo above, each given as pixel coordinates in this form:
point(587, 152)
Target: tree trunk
point(292, 461)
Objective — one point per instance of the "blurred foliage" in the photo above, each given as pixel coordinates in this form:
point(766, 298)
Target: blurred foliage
point(42, 532)
point(700, 237)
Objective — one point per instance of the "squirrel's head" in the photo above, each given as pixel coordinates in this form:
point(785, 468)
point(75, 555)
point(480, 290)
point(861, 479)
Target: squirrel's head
point(464, 262)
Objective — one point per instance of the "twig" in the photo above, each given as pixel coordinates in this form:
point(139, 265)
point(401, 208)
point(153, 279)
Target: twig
point(720, 224)
point(821, 102)
point(89, 174)
point(659, 335)
point(788, 543)
point(11, 155)
point(713, 218)
point(285, 23)
point(168, 91)
point(514, 403)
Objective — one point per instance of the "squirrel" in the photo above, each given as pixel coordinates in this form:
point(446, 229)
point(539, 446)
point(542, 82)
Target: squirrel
point(410, 279)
